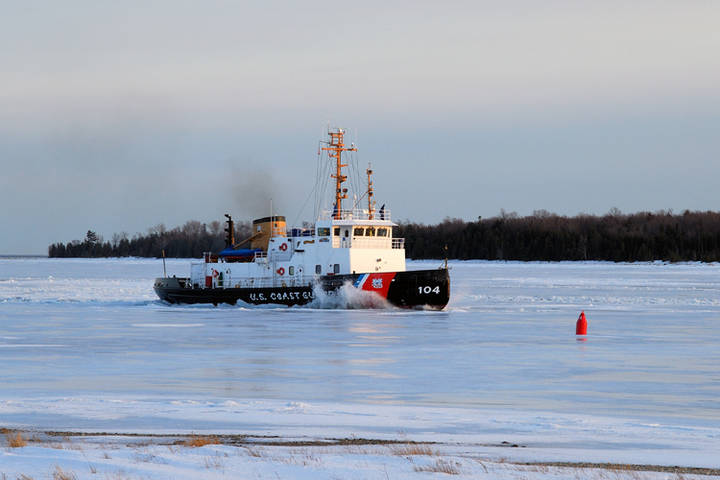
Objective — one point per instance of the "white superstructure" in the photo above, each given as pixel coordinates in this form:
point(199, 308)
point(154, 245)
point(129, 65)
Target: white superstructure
point(352, 243)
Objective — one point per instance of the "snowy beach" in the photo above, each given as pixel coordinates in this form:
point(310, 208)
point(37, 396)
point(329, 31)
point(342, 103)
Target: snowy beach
point(496, 380)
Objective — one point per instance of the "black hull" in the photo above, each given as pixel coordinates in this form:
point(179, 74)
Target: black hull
point(410, 289)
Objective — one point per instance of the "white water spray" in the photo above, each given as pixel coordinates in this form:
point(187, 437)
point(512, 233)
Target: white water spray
point(347, 297)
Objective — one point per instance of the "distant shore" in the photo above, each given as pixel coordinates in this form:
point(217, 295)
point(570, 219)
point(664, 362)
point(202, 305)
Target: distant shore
point(543, 236)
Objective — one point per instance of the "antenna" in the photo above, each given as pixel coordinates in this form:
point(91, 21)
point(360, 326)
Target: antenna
point(370, 193)
point(335, 148)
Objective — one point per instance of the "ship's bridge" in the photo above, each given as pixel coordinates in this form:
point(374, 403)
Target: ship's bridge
point(359, 229)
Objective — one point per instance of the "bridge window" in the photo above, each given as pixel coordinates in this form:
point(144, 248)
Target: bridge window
point(382, 232)
point(323, 231)
point(318, 269)
point(358, 232)
point(370, 232)
point(337, 231)
point(336, 268)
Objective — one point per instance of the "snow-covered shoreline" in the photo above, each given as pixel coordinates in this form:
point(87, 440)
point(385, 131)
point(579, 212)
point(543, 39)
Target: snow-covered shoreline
point(540, 436)
point(63, 456)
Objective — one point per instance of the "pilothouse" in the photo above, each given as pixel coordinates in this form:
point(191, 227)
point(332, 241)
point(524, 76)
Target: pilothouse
point(346, 248)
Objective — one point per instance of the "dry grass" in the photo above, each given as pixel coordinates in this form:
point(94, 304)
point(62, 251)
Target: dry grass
point(15, 439)
point(144, 457)
point(440, 466)
point(482, 464)
point(253, 452)
point(409, 450)
point(69, 444)
point(617, 468)
point(60, 474)
point(537, 468)
point(215, 462)
point(201, 441)
point(119, 475)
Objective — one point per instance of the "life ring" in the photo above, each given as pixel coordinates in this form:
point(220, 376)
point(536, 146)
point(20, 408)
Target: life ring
point(281, 270)
point(215, 273)
point(283, 246)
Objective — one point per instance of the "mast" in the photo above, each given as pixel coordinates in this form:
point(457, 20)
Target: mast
point(229, 232)
point(335, 148)
point(370, 193)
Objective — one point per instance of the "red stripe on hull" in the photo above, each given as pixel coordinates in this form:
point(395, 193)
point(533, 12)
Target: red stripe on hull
point(379, 283)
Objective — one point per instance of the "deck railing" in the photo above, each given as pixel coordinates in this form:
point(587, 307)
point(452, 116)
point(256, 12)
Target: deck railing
point(231, 281)
point(356, 214)
point(265, 282)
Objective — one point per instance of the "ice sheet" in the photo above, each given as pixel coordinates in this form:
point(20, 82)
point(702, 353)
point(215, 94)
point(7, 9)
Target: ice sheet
point(85, 345)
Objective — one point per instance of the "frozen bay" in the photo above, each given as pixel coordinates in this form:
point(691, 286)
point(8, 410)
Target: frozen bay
point(86, 345)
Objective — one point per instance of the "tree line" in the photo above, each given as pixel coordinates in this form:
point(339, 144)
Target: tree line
point(190, 240)
point(644, 236)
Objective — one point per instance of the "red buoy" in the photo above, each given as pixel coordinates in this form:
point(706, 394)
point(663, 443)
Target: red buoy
point(581, 326)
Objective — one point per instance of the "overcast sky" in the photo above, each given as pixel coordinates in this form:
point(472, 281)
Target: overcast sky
point(117, 116)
